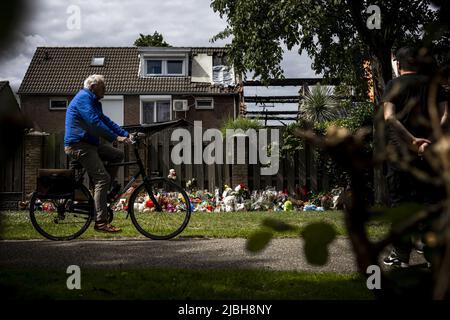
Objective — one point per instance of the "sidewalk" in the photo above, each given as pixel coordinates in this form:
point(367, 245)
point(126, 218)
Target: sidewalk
point(184, 253)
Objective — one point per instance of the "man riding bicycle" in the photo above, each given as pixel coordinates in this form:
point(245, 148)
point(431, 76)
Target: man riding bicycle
point(85, 124)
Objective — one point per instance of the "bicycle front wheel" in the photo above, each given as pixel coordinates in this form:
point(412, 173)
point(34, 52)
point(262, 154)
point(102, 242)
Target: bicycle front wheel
point(58, 218)
point(164, 219)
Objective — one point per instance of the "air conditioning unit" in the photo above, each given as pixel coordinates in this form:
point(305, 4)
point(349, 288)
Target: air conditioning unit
point(180, 105)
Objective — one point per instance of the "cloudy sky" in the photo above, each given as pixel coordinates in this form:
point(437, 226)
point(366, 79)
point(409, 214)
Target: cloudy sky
point(118, 23)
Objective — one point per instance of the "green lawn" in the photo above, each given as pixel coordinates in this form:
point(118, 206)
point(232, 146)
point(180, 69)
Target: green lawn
point(183, 284)
point(17, 225)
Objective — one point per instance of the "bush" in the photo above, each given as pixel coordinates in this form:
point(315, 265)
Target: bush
point(359, 114)
point(241, 123)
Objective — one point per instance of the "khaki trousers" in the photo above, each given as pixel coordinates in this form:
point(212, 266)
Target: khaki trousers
point(91, 158)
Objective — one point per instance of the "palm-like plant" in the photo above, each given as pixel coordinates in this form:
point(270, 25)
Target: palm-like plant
point(319, 105)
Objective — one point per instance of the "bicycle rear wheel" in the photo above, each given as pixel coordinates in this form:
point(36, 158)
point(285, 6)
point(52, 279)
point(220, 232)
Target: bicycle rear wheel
point(62, 218)
point(164, 219)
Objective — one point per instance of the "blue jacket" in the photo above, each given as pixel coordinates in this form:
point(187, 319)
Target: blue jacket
point(86, 122)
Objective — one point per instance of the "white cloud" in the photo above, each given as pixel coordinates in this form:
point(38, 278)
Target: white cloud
point(118, 23)
point(15, 61)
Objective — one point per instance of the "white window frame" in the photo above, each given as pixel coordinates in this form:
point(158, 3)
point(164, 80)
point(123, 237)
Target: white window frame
point(143, 99)
point(175, 74)
point(57, 99)
point(97, 61)
point(164, 68)
point(154, 74)
point(204, 99)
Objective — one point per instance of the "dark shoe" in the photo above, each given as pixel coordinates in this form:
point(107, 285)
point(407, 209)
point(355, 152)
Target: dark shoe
point(419, 246)
point(106, 227)
point(393, 260)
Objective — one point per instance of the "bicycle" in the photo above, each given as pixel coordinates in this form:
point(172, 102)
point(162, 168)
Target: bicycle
point(62, 207)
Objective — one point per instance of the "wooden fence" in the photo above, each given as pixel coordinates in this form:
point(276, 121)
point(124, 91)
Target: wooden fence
point(11, 179)
point(299, 170)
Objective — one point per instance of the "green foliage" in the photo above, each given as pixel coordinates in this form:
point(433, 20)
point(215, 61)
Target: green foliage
point(291, 143)
point(333, 33)
point(317, 237)
point(342, 90)
point(154, 40)
point(241, 123)
point(358, 115)
point(318, 105)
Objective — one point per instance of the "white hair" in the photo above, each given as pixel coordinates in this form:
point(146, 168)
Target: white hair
point(93, 79)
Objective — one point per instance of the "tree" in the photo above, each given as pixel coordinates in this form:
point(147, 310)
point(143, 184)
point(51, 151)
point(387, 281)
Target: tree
point(318, 105)
point(339, 37)
point(335, 34)
point(155, 40)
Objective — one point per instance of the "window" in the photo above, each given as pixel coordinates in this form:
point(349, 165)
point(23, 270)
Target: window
point(204, 103)
point(155, 111)
point(220, 60)
point(98, 61)
point(175, 67)
point(58, 104)
point(154, 66)
point(163, 67)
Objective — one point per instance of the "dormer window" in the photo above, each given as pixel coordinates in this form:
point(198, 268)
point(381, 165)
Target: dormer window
point(164, 62)
point(164, 67)
point(98, 61)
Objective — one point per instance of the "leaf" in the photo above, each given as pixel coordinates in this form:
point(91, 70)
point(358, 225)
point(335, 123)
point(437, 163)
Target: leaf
point(277, 225)
point(258, 241)
point(317, 236)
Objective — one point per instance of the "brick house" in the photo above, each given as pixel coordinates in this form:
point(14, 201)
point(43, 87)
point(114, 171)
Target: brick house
point(143, 85)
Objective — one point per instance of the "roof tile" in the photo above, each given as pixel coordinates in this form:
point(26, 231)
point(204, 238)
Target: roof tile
point(62, 70)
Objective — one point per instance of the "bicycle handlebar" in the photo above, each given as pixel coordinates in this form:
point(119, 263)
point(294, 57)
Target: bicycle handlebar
point(136, 136)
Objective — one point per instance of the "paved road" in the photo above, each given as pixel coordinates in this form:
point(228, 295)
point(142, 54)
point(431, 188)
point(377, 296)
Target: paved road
point(281, 254)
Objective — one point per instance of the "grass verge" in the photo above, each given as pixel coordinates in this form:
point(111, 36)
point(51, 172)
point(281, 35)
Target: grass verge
point(173, 284)
point(17, 225)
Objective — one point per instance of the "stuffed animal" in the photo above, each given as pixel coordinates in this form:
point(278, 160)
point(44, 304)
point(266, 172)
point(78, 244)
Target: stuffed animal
point(226, 192)
point(288, 206)
point(172, 174)
point(229, 202)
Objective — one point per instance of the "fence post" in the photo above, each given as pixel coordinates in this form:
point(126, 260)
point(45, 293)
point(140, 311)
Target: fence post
point(33, 159)
point(239, 172)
